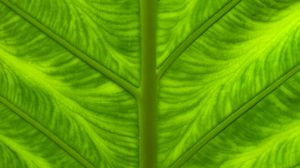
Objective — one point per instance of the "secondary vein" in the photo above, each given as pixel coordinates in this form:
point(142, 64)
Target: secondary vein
point(234, 116)
point(194, 36)
point(72, 49)
point(47, 133)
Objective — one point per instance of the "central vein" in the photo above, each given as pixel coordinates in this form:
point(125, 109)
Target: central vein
point(147, 96)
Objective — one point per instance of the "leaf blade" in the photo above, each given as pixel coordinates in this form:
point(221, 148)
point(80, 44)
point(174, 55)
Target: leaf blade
point(216, 75)
point(100, 68)
point(234, 116)
point(193, 36)
point(95, 116)
point(113, 34)
point(270, 139)
point(48, 133)
point(19, 151)
point(176, 20)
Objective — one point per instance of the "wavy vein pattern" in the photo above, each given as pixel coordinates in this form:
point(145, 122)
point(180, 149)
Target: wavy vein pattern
point(107, 30)
point(178, 18)
point(237, 58)
point(19, 151)
point(267, 136)
point(93, 115)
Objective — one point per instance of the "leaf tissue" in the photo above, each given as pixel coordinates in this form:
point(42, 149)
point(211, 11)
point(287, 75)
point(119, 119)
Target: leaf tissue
point(149, 83)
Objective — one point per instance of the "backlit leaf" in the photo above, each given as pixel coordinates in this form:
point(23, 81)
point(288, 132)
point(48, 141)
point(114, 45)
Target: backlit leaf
point(145, 83)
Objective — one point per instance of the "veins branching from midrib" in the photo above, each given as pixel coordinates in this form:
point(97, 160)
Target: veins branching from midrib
point(133, 90)
point(194, 36)
point(161, 70)
point(129, 87)
point(177, 52)
point(187, 155)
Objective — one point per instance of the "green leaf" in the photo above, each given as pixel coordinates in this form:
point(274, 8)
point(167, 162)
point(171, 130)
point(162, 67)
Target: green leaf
point(168, 83)
point(236, 59)
point(18, 150)
point(87, 112)
point(270, 139)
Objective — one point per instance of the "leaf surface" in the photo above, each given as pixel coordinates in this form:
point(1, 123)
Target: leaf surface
point(169, 83)
point(107, 31)
point(271, 139)
point(81, 107)
point(178, 19)
point(19, 151)
point(238, 57)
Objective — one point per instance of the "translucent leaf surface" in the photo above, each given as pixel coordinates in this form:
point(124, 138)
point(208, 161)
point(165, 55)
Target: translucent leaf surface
point(146, 83)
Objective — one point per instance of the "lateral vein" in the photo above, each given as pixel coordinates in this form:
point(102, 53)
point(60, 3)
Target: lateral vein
point(75, 51)
point(194, 36)
point(233, 117)
point(68, 149)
